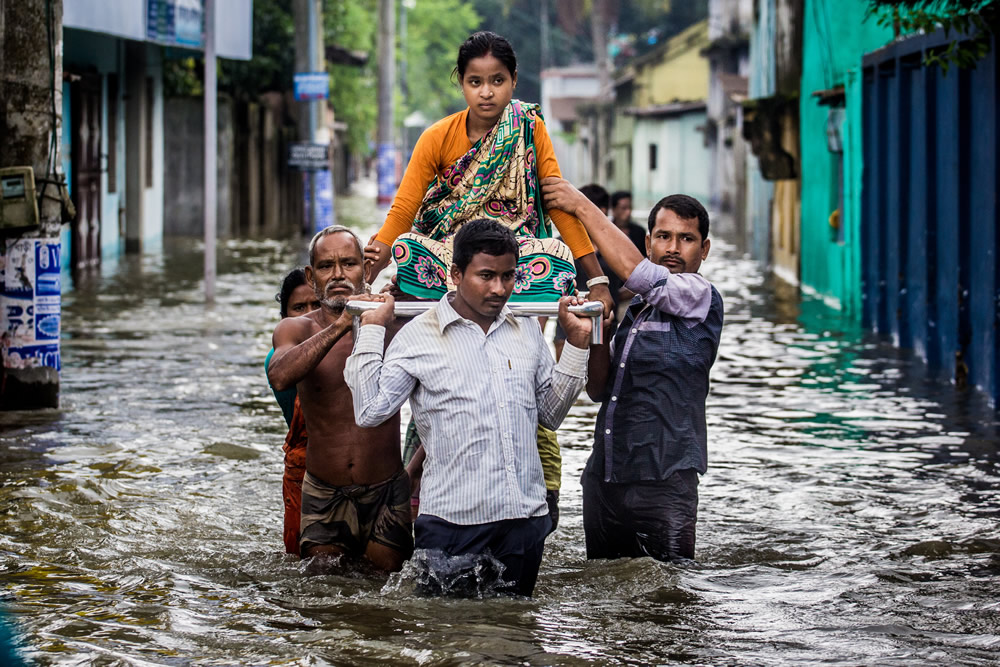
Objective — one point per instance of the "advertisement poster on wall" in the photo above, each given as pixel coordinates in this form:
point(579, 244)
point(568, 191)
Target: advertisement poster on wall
point(30, 318)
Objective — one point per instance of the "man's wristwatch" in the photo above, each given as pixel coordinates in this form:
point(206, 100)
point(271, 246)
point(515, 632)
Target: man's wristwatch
point(598, 280)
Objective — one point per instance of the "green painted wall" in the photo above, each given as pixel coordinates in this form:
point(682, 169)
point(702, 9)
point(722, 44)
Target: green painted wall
point(835, 36)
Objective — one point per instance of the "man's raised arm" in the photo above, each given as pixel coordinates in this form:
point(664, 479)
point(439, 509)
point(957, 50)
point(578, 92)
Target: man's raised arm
point(616, 248)
point(378, 387)
point(296, 353)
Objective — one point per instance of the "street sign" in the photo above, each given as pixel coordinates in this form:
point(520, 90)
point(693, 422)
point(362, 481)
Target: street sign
point(175, 22)
point(306, 156)
point(311, 86)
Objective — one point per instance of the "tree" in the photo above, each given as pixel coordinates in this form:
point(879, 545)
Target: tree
point(350, 24)
point(435, 29)
point(971, 23)
point(270, 69)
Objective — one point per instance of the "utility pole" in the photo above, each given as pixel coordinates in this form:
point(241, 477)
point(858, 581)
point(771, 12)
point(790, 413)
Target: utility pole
point(543, 22)
point(317, 185)
point(210, 148)
point(404, 7)
point(386, 45)
point(599, 35)
point(30, 118)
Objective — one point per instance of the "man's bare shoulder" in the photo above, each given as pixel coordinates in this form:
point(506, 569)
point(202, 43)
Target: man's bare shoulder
point(294, 330)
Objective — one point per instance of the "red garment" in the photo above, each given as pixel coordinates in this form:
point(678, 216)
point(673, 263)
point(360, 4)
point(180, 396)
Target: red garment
point(291, 483)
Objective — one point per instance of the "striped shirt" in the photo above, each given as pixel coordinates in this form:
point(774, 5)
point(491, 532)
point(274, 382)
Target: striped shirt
point(477, 399)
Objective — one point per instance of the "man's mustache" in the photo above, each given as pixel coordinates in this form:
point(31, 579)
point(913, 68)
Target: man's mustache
point(341, 284)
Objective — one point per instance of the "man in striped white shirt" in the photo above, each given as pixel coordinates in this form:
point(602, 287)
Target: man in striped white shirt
point(479, 381)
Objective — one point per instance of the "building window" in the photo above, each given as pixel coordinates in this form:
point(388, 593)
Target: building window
point(149, 131)
point(112, 133)
point(652, 157)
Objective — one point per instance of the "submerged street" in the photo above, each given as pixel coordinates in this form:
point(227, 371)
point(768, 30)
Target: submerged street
point(849, 515)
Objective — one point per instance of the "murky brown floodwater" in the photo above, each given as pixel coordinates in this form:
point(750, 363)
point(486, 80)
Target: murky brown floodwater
point(849, 515)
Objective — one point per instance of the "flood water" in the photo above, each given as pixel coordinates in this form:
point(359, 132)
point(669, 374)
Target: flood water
point(849, 516)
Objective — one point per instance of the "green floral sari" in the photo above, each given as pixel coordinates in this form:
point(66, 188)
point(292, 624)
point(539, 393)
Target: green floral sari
point(496, 179)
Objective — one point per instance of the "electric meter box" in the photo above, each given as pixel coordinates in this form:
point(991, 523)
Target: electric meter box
point(18, 205)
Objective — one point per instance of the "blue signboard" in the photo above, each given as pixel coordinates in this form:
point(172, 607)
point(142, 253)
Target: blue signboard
point(386, 167)
point(175, 22)
point(47, 291)
point(325, 215)
point(312, 86)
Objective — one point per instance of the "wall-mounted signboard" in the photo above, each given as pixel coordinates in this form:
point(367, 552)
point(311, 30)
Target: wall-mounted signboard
point(311, 86)
point(176, 22)
point(306, 156)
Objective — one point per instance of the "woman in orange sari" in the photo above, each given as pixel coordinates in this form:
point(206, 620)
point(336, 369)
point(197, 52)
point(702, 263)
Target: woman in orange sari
point(485, 161)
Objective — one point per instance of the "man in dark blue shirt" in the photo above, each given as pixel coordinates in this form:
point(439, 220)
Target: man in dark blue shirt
point(640, 486)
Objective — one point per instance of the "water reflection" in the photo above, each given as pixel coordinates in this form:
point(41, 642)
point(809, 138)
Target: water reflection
point(849, 515)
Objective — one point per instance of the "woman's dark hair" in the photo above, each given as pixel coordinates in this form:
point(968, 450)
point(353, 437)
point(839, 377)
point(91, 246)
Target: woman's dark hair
point(484, 43)
point(482, 235)
point(295, 278)
point(686, 208)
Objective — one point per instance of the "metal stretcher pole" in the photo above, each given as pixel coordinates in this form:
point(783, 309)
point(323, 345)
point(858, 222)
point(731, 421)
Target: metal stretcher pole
point(592, 309)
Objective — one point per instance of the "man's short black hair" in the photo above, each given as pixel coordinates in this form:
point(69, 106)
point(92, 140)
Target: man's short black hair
point(619, 195)
point(686, 208)
point(482, 235)
point(596, 194)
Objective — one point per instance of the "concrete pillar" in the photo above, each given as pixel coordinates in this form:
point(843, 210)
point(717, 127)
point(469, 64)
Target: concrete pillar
point(136, 132)
point(30, 118)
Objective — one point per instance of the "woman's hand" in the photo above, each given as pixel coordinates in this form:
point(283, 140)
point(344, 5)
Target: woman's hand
point(377, 256)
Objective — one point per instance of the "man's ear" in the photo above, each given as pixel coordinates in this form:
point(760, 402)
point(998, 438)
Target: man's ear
point(310, 277)
point(456, 274)
point(367, 273)
point(706, 245)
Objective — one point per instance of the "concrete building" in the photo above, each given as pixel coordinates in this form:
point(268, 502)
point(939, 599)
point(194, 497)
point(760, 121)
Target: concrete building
point(669, 92)
point(835, 36)
point(729, 25)
point(622, 130)
point(566, 94)
point(113, 114)
point(771, 128)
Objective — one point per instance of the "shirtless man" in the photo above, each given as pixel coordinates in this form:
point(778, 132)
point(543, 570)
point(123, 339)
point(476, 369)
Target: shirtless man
point(356, 494)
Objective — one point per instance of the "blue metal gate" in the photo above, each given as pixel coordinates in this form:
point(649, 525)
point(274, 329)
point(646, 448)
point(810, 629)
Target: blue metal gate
point(929, 209)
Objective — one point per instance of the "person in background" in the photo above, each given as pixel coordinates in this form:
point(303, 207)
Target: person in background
point(548, 441)
point(640, 485)
point(295, 298)
point(621, 215)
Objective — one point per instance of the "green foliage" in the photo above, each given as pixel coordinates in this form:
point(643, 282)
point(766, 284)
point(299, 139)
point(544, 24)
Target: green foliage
point(271, 67)
point(273, 62)
point(182, 77)
point(435, 29)
point(971, 24)
point(351, 24)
